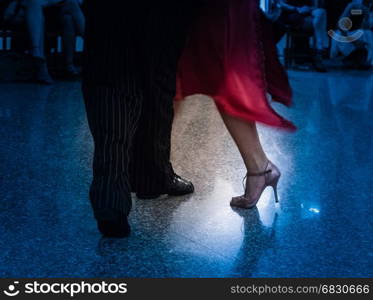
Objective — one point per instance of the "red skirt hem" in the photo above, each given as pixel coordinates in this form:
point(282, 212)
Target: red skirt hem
point(231, 57)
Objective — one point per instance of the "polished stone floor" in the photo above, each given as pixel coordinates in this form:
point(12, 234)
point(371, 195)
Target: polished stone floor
point(323, 226)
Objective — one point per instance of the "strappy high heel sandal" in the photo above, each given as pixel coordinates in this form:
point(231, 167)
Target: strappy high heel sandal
point(271, 175)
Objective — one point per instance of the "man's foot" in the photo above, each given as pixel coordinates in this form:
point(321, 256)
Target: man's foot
point(40, 71)
point(318, 61)
point(34, 69)
point(71, 71)
point(42, 75)
point(118, 229)
point(112, 224)
point(177, 186)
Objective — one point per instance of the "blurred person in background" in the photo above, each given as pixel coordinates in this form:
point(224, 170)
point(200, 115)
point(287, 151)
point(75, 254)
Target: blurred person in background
point(33, 15)
point(68, 19)
point(353, 40)
point(308, 16)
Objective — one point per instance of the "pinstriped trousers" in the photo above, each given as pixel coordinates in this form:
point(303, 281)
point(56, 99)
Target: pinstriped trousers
point(132, 139)
point(113, 118)
point(129, 82)
point(131, 129)
point(150, 166)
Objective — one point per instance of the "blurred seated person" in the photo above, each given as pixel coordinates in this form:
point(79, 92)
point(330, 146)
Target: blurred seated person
point(307, 16)
point(4, 12)
point(334, 8)
point(33, 13)
point(353, 40)
point(68, 19)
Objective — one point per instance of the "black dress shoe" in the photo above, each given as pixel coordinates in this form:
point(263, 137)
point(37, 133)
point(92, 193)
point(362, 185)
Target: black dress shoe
point(177, 186)
point(112, 224)
point(114, 229)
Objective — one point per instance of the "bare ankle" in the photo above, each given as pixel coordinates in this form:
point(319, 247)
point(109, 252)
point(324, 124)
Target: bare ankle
point(257, 165)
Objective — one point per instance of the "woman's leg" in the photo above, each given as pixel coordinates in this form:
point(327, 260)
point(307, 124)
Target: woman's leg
point(260, 171)
point(247, 140)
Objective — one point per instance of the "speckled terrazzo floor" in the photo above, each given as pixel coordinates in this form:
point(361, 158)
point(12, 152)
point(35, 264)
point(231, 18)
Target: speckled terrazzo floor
point(322, 227)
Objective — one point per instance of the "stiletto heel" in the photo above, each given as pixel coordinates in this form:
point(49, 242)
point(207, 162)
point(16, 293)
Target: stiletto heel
point(271, 176)
point(275, 192)
point(274, 186)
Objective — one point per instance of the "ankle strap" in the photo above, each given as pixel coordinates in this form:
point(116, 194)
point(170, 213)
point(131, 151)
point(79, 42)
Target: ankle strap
point(259, 174)
point(254, 174)
point(265, 172)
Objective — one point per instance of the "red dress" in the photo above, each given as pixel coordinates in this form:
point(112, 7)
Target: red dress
point(231, 56)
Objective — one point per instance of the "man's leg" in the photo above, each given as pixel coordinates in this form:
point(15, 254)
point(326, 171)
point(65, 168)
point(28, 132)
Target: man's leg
point(35, 23)
point(151, 171)
point(150, 166)
point(72, 8)
point(317, 22)
point(113, 118)
point(319, 18)
point(69, 43)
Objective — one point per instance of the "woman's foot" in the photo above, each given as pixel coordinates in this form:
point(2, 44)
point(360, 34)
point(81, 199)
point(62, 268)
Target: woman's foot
point(256, 184)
